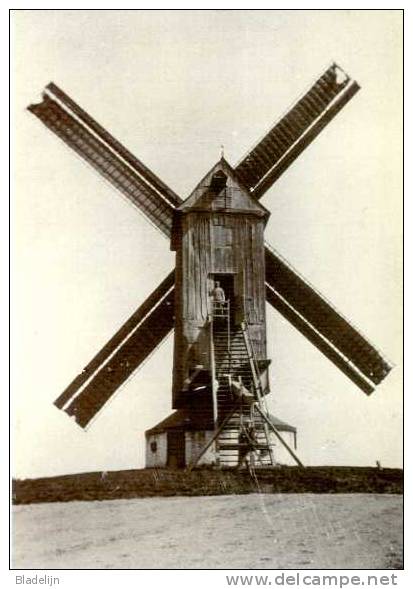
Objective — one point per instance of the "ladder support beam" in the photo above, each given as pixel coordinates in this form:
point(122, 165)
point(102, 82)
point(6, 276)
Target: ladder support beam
point(214, 437)
point(277, 433)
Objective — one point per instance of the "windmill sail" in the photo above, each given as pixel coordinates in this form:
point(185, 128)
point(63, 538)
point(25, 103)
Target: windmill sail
point(265, 163)
point(121, 356)
point(286, 290)
point(114, 144)
point(108, 157)
point(322, 324)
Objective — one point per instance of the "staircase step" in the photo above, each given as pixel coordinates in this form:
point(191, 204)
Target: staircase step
point(232, 361)
point(241, 446)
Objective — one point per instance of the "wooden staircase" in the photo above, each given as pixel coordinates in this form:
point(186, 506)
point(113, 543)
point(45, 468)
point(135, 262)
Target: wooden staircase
point(233, 359)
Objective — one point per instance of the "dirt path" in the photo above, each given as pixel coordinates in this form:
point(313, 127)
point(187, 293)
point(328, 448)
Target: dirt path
point(228, 531)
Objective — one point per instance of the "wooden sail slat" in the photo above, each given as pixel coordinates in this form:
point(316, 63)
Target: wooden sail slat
point(114, 144)
point(140, 342)
point(306, 138)
point(99, 155)
point(321, 320)
point(116, 340)
point(297, 126)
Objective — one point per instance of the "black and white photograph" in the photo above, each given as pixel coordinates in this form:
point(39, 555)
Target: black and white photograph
point(206, 290)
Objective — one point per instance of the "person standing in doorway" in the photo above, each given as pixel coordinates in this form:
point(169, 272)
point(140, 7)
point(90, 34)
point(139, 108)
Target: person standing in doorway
point(218, 296)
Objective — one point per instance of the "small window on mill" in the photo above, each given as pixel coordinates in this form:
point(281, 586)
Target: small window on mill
point(154, 447)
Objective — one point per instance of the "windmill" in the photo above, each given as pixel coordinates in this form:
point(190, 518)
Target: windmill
point(220, 374)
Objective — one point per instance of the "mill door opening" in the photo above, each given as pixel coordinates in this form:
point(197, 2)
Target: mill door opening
point(176, 448)
point(225, 282)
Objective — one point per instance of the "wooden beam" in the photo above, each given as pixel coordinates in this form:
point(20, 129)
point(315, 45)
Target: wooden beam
point(214, 437)
point(277, 433)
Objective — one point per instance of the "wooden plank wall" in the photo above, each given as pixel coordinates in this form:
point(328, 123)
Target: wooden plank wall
point(216, 242)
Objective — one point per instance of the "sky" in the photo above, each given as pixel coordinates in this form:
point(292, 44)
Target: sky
point(173, 86)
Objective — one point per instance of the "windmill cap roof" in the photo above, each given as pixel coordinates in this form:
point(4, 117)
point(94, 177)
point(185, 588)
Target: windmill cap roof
point(202, 194)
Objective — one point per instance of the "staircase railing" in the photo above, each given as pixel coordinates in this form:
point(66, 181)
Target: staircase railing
point(262, 405)
point(220, 310)
point(213, 374)
point(253, 362)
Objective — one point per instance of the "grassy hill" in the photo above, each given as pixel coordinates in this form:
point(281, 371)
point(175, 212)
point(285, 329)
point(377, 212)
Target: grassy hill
point(126, 484)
